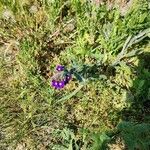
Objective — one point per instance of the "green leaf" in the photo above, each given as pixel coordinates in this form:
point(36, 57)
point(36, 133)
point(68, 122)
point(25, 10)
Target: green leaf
point(136, 136)
point(100, 141)
point(70, 95)
point(79, 78)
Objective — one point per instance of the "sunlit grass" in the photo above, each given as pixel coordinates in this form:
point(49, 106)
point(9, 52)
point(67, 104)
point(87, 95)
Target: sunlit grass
point(35, 36)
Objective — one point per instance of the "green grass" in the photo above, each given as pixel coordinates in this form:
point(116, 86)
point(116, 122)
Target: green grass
point(111, 53)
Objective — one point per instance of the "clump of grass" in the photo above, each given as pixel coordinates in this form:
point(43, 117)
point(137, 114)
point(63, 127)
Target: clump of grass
point(101, 44)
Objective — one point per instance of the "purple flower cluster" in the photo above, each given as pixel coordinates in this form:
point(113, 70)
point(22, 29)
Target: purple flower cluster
point(60, 83)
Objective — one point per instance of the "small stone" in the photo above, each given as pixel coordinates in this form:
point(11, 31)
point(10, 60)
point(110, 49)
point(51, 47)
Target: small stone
point(69, 28)
point(33, 9)
point(8, 15)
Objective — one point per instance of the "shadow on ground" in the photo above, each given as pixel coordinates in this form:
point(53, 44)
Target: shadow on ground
point(139, 95)
point(135, 128)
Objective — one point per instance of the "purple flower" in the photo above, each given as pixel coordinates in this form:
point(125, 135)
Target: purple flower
point(58, 84)
point(60, 79)
point(60, 68)
point(67, 78)
point(61, 84)
point(54, 83)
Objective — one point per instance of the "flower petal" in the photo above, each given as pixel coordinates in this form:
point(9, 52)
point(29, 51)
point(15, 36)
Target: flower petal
point(60, 68)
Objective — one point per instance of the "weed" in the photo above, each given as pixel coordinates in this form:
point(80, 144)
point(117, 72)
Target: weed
point(107, 53)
